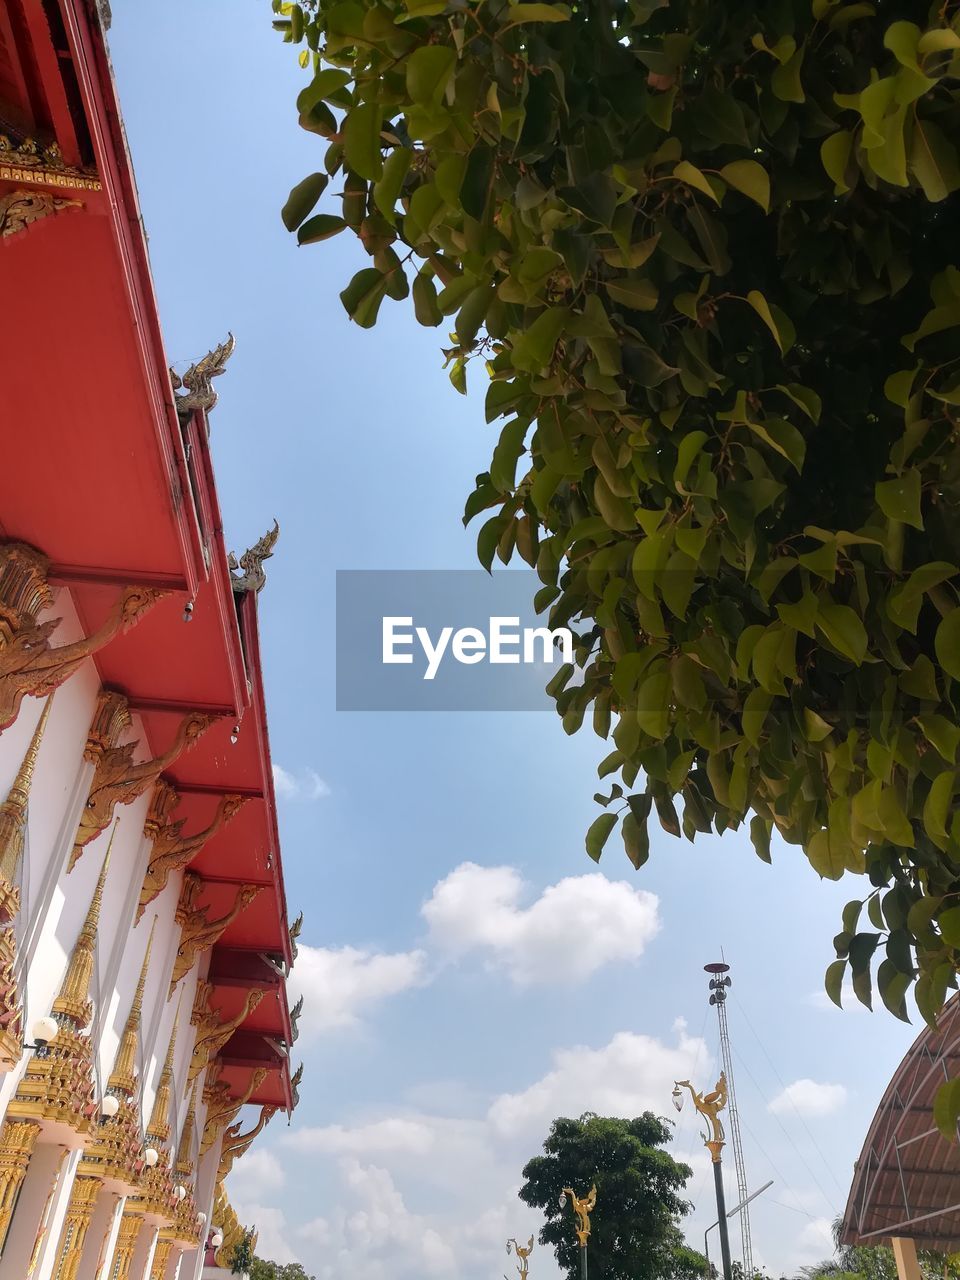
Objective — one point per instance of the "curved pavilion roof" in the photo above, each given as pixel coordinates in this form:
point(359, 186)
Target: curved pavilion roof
point(907, 1180)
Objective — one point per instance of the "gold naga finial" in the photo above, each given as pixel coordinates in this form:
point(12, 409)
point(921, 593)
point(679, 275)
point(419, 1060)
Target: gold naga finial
point(118, 779)
point(123, 1078)
point(196, 384)
point(13, 814)
point(213, 1033)
point(74, 999)
point(583, 1209)
point(159, 1126)
point(709, 1106)
point(523, 1253)
point(253, 577)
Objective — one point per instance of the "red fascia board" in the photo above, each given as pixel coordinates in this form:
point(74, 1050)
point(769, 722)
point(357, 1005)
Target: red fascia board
point(92, 68)
point(220, 569)
point(251, 634)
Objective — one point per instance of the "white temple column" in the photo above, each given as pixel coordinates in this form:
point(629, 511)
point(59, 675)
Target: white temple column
point(31, 1222)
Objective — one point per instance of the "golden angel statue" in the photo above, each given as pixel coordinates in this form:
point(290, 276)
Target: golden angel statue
point(709, 1106)
point(583, 1209)
point(523, 1253)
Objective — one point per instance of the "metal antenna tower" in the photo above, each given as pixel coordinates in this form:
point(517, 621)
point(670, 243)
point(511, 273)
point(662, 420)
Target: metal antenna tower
point(719, 983)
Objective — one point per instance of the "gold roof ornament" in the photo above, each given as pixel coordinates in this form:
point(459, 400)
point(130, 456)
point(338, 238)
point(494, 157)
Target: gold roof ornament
point(73, 1002)
point(29, 664)
point(198, 933)
point(236, 1144)
point(13, 818)
point(120, 780)
point(253, 577)
point(184, 1165)
point(295, 1081)
point(213, 1033)
point(223, 1108)
point(172, 851)
point(159, 1126)
point(196, 384)
point(123, 1078)
point(295, 931)
point(25, 160)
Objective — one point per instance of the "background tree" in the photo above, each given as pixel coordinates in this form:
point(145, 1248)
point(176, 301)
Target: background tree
point(261, 1269)
point(707, 254)
point(635, 1225)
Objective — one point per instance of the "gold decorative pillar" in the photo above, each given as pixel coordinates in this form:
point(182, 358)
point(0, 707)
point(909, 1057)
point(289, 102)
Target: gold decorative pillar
point(116, 1149)
point(118, 779)
point(58, 1083)
point(17, 1141)
point(130, 1225)
point(13, 829)
point(161, 1257)
point(76, 1224)
point(44, 1224)
point(29, 665)
point(172, 851)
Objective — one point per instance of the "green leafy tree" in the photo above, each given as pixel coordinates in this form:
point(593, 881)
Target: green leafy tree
point(261, 1269)
point(707, 255)
point(635, 1225)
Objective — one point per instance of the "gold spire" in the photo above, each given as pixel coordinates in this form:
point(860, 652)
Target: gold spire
point(123, 1078)
point(159, 1126)
point(185, 1149)
point(74, 998)
point(13, 811)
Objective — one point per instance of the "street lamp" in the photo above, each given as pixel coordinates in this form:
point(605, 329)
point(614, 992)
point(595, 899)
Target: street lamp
point(709, 1106)
point(583, 1209)
point(733, 1213)
point(44, 1033)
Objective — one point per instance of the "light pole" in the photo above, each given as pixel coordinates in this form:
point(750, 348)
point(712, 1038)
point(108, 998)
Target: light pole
point(732, 1214)
point(523, 1256)
point(583, 1209)
point(709, 1106)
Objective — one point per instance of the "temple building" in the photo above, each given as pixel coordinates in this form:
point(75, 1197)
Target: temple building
point(145, 944)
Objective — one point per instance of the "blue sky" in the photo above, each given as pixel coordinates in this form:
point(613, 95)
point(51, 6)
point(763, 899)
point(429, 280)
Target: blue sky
point(464, 981)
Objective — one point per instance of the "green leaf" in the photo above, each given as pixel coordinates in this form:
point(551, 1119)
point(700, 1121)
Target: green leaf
point(835, 157)
point(934, 161)
point(762, 308)
point(749, 178)
point(947, 644)
point(385, 192)
point(760, 837)
point(302, 199)
point(949, 922)
point(598, 834)
point(429, 69)
point(363, 295)
point(694, 177)
point(844, 629)
point(833, 981)
point(361, 139)
point(321, 227)
point(425, 304)
point(946, 1109)
point(785, 81)
point(899, 499)
point(515, 14)
point(636, 292)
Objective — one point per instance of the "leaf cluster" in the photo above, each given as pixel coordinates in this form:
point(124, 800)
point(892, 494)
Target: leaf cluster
point(707, 256)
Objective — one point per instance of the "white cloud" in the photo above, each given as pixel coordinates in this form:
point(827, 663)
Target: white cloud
point(257, 1173)
point(339, 984)
point(631, 1074)
point(573, 929)
point(382, 1136)
point(272, 1230)
point(809, 1098)
point(306, 785)
point(820, 1000)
